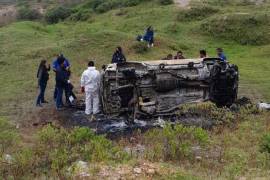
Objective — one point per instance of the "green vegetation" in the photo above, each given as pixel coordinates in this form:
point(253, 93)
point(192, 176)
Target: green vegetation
point(174, 143)
point(239, 146)
point(54, 152)
point(241, 28)
point(196, 13)
point(57, 14)
point(265, 144)
point(25, 13)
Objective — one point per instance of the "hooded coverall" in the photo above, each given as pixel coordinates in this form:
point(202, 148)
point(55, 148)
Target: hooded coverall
point(90, 80)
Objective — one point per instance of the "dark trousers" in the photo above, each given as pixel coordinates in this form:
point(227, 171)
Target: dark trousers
point(59, 97)
point(42, 88)
point(67, 94)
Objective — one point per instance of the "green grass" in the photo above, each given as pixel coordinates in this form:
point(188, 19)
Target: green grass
point(23, 44)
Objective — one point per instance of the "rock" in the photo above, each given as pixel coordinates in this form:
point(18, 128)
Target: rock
point(8, 158)
point(80, 169)
point(151, 171)
point(137, 170)
point(198, 158)
point(264, 106)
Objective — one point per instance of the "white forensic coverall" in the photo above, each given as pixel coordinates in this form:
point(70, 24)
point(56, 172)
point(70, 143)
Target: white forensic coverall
point(90, 80)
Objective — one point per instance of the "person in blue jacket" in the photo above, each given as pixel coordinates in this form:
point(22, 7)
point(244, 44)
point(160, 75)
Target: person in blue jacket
point(43, 77)
point(149, 36)
point(56, 66)
point(221, 54)
point(62, 81)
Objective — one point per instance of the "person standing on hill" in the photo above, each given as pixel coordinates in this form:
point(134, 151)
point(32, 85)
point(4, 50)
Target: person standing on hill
point(90, 83)
point(62, 81)
point(203, 53)
point(149, 36)
point(221, 54)
point(118, 56)
point(43, 77)
point(179, 55)
point(56, 65)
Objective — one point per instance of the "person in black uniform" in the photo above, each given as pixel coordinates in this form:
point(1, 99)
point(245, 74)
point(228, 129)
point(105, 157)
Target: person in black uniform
point(43, 77)
point(118, 56)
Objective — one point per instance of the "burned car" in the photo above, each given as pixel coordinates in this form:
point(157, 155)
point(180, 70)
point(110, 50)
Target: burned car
point(156, 88)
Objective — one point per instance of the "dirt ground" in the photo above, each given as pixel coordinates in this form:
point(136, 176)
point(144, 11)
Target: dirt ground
point(182, 3)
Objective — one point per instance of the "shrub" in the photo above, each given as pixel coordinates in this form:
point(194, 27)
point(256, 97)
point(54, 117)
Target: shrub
point(174, 142)
point(246, 29)
point(102, 6)
point(56, 149)
point(209, 111)
point(196, 13)
point(140, 47)
point(57, 14)
point(25, 13)
point(265, 143)
point(81, 15)
point(237, 160)
point(8, 136)
point(165, 2)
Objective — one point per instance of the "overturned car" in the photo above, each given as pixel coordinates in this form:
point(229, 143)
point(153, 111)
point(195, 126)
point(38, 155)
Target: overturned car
point(156, 88)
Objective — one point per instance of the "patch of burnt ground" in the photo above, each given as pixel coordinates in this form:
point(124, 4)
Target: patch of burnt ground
point(205, 115)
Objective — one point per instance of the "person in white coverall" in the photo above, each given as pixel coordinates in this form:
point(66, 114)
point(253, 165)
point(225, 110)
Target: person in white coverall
point(90, 82)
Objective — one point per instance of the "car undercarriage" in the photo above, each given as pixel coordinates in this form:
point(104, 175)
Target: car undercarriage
point(158, 88)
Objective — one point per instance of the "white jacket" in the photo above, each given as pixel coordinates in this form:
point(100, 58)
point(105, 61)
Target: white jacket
point(90, 79)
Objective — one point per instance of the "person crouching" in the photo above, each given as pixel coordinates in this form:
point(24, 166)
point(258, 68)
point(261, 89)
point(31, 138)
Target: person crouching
point(90, 83)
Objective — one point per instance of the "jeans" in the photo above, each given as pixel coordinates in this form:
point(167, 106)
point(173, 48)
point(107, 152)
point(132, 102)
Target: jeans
point(42, 88)
point(67, 94)
point(59, 100)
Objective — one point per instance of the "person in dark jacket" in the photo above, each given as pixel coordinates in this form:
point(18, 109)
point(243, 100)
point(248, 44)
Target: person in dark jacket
point(56, 65)
point(149, 36)
point(118, 56)
point(179, 55)
point(43, 77)
point(62, 81)
point(203, 53)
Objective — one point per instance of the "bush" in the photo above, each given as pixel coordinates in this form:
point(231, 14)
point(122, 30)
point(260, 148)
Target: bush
point(8, 136)
point(209, 111)
point(81, 15)
point(174, 142)
point(140, 47)
point(246, 29)
point(237, 161)
point(57, 14)
point(102, 6)
point(265, 143)
point(196, 13)
point(56, 149)
point(165, 2)
point(26, 13)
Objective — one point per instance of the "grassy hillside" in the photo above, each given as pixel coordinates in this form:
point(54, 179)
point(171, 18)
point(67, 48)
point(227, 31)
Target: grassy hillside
point(242, 29)
point(23, 44)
